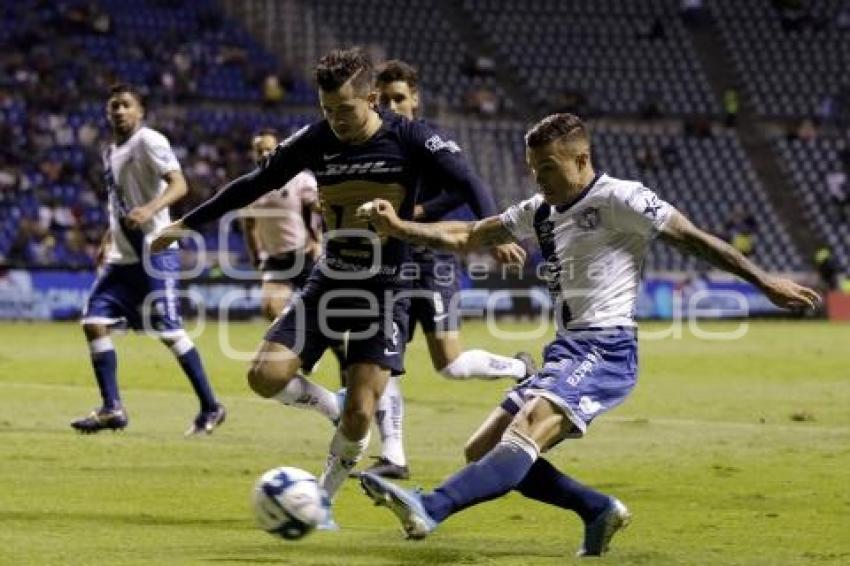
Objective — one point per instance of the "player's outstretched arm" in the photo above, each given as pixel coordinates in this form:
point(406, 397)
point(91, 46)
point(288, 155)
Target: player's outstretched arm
point(681, 233)
point(454, 236)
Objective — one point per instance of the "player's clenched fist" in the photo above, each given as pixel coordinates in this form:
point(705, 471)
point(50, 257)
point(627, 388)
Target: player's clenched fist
point(381, 214)
point(167, 236)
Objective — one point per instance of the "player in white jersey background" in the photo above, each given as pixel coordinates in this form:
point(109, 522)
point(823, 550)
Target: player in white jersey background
point(143, 179)
point(282, 232)
point(594, 232)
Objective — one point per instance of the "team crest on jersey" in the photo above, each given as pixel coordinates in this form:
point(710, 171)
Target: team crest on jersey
point(589, 218)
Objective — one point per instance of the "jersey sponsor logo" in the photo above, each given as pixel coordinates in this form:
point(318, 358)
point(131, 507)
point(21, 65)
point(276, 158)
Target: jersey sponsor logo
point(588, 219)
point(435, 143)
point(329, 156)
point(591, 360)
point(334, 169)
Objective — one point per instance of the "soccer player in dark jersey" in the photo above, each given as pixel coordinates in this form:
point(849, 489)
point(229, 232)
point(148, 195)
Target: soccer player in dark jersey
point(434, 308)
point(356, 295)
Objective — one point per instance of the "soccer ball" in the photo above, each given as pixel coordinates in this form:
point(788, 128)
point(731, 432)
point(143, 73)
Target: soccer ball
point(288, 502)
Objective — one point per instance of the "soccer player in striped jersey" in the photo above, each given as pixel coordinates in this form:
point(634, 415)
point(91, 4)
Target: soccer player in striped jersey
point(143, 178)
point(594, 231)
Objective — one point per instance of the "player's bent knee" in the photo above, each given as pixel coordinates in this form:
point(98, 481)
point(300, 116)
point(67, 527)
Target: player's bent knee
point(474, 449)
point(356, 419)
point(95, 331)
point(262, 381)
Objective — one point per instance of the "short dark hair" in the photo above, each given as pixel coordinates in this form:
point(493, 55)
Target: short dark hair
point(397, 70)
point(566, 127)
point(122, 88)
point(340, 65)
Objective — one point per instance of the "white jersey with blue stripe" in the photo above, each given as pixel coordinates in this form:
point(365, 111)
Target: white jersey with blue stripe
point(594, 247)
point(134, 177)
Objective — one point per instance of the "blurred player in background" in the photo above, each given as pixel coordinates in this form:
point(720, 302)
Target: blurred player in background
point(594, 232)
point(281, 230)
point(435, 308)
point(143, 179)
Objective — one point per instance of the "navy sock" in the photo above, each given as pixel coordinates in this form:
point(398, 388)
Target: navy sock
point(105, 366)
point(491, 477)
point(545, 483)
point(194, 370)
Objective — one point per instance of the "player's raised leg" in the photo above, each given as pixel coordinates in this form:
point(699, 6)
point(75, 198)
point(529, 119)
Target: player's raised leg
point(452, 362)
point(274, 374)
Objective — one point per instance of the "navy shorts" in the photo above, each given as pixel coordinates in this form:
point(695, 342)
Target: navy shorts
point(326, 315)
point(586, 373)
point(126, 295)
point(433, 293)
point(291, 267)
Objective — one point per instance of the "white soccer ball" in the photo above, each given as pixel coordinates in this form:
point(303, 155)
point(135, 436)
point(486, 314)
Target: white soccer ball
point(288, 502)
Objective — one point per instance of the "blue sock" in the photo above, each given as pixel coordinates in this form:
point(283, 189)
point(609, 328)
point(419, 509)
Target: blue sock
point(194, 370)
point(491, 477)
point(105, 366)
point(545, 483)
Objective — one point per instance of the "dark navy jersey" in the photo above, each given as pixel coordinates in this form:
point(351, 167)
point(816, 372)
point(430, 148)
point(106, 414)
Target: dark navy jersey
point(391, 165)
point(438, 200)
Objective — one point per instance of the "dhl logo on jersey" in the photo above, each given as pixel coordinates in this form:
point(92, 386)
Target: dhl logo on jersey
point(334, 169)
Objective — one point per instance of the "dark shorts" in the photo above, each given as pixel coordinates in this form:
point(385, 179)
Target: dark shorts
point(126, 295)
point(291, 267)
point(585, 373)
point(433, 293)
point(326, 315)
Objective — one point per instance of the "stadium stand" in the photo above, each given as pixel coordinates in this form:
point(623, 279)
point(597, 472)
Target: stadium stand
point(204, 74)
point(792, 56)
point(452, 75)
point(815, 165)
point(621, 57)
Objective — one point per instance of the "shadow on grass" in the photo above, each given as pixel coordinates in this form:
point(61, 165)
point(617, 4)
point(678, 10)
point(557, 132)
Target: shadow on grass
point(135, 519)
point(371, 549)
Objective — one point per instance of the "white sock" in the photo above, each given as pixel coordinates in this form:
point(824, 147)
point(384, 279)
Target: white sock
point(302, 393)
point(344, 455)
point(389, 417)
point(483, 365)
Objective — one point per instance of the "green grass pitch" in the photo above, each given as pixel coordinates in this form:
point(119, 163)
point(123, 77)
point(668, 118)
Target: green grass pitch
point(727, 453)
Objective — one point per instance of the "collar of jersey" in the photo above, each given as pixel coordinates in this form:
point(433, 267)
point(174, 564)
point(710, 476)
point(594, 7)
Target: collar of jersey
point(562, 208)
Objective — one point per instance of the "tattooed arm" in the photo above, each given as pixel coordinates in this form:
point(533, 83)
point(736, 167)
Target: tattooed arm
point(452, 235)
point(682, 234)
